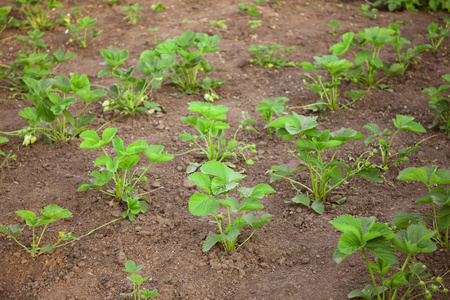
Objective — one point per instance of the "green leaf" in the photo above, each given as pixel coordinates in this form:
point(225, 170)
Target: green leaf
point(201, 180)
point(416, 239)
point(406, 123)
point(108, 135)
point(257, 221)
point(371, 174)
point(211, 240)
point(28, 216)
point(382, 249)
point(428, 175)
point(86, 186)
point(202, 204)
point(154, 154)
point(318, 207)
point(11, 230)
point(367, 293)
point(55, 212)
point(91, 140)
point(444, 217)
point(131, 267)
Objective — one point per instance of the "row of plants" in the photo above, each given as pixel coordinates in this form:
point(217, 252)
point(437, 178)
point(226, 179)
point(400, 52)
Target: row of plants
point(120, 177)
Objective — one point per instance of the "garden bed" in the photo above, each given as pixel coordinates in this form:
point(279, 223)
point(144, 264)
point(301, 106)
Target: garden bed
point(291, 257)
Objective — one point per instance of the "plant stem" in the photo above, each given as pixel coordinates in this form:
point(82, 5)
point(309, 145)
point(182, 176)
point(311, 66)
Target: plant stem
point(371, 274)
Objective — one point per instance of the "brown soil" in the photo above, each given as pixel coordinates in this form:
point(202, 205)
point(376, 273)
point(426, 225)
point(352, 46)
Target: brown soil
point(288, 258)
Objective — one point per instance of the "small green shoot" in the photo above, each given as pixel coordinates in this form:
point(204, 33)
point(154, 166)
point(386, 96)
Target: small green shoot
point(132, 16)
point(440, 104)
point(266, 56)
point(249, 9)
point(79, 34)
point(10, 155)
point(437, 34)
point(217, 179)
point(335, 27)
point(218, 24)
point(137, 280)
point(157, 7)
point(368, 12)
point(37, 12)
point(269, 107)
point(255, 24)
point(401, 123)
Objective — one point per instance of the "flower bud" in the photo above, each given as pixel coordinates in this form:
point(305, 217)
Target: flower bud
point(106, 103)
point(33, 139)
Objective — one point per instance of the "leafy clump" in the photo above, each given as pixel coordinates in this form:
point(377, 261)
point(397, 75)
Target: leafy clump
point(188, 61)
point(271, 106)
point(266, 56)
point(328, 91)
point(324, 169)
point(37, 12)
point(364, 234)
point(79, 33)
point(130, 94)
point(132, 16)
point(117, 173)
point(51, 116)
point(384, 146)
point(50, 214)
point(437, 34)
point(437, 196)
point(216, 180)
point(210, 141)
point(414, 5)
point(137, 280)
point(440, 105)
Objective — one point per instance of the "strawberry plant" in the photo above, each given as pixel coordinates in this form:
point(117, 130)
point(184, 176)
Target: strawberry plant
point(32, 42)
point(368, 12)
point(50, 214)
point(10, 155)
point(79, 33)
point(113, 2)
point(311, 149)
point(4, 18)
point(211, 126)
point(216, 179)
point(440, 104)
point(269, 107)
point(250, 10)
point(328, 91)
point(414, 5)
point(116, 173)
point(130, 94)
point(367, 60)
point(254, 24)
point(37, 12)
point(412, 54)
point(51, 116)
point(437, 34)
point(218, 24)
point(437, 196)
point(335, 27)
point(137, 280)
point(132, 16)
point(384, 146)
point(187, 63)
point(157, 7)
point(266, 56)
point(366, 235)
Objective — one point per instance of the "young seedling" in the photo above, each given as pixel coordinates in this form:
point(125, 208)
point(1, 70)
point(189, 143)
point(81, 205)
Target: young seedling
point(133, 17)
point(311, 152)
point(10, 155)
point(211, 126)
point(440, 104)
point(218, 24)
point(50, 214)
point(188, 64)
point(114, 2)
point(116, 173)
point(4, 18)
point(157, 7)
point(401, 123)
point(51, 116)
point(255, 24)
point(156, 40)
point(437, 34)
point(137, 280)
point(437, 196)
point(249, 9)
point(266, 56)
point(32, 42)
point(37, 12)
point(368, 12)
point(335, 27)
point(367, 60)
point(270, 106)
point(328, 91)
point(411, 55)
point(75, 31)
point(216, 179)
point(247, 123)
point(366, 235)
point(129, 94)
